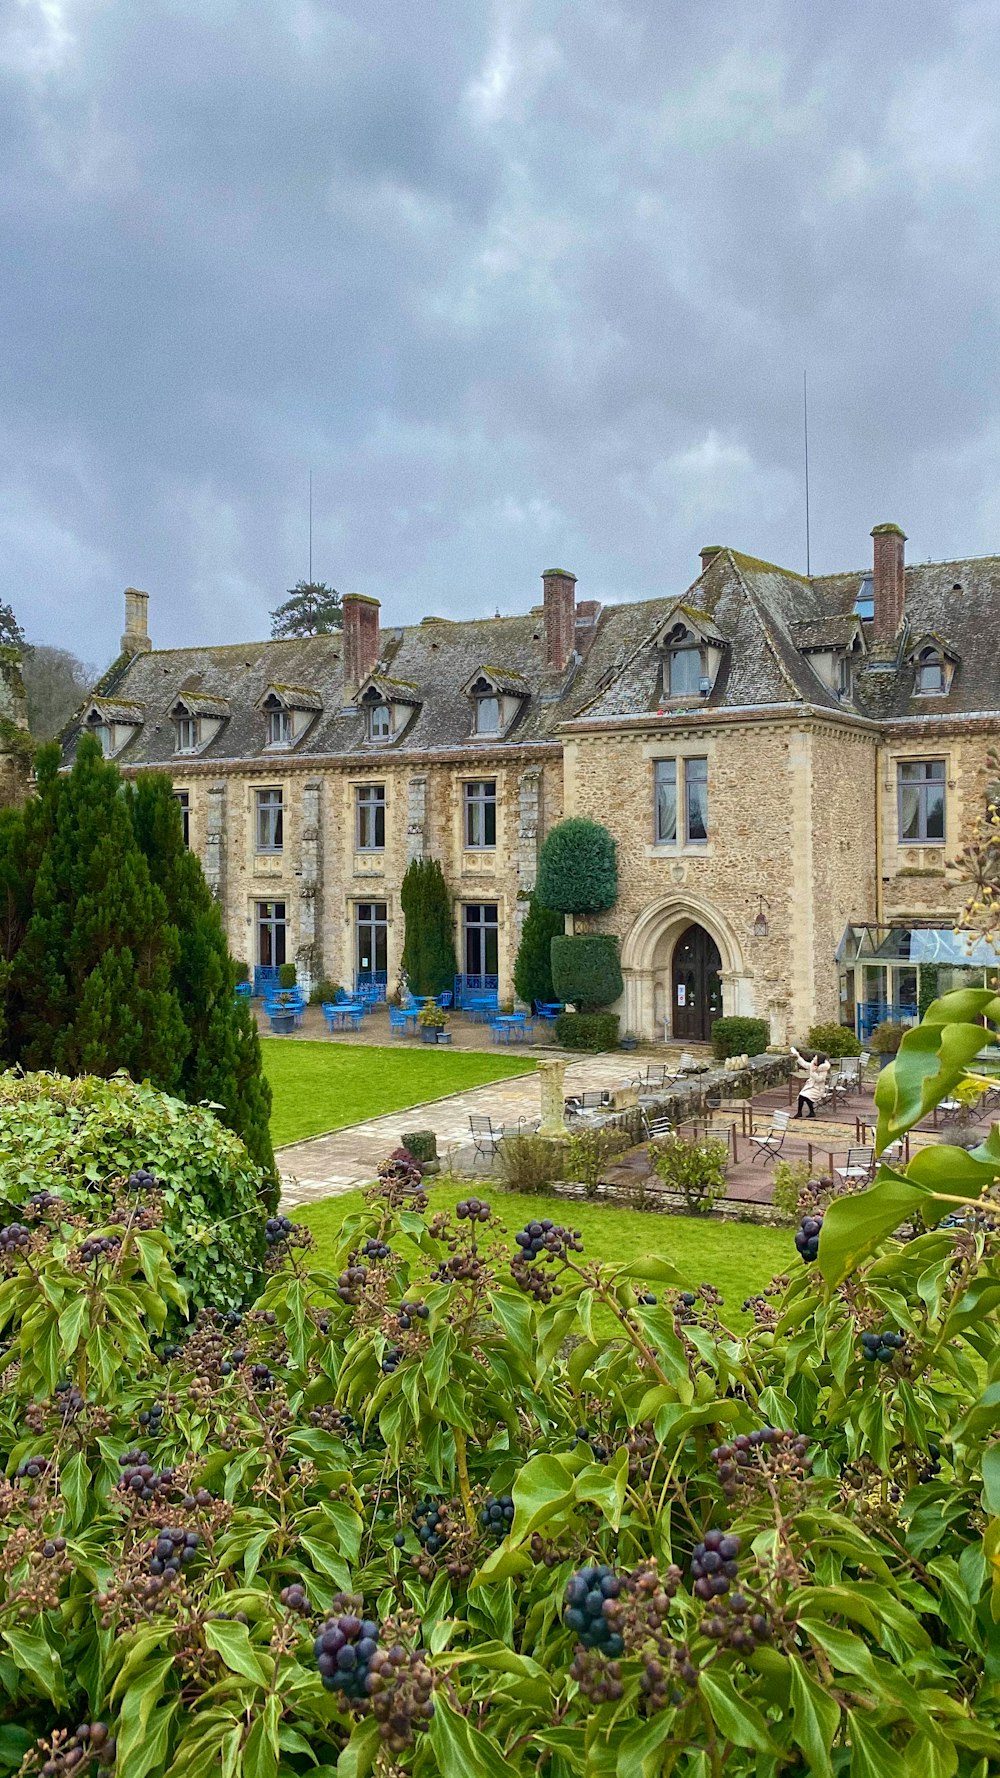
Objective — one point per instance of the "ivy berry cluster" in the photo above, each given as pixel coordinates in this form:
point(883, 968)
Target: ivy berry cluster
point(277, 1230)
point(401, 1687)
point(430, 1522)
point(497, 1515)
point(472, 1210)
point(344, 1650)
point(91, 1741)
point(98, 1247)
point(14, 1238)
point(547, 1241)
point(768, 1446)
point(881, 1348)
point(713, 1564)
point(172, 1549)
point(807, 1238)
point(351, 1283)
point(142, 1180)
point(410, 1312)
point(591, 1609)
point(376, 1250)
point(139, 1477)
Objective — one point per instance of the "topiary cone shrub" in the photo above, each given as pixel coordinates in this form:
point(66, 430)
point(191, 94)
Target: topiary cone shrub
point(76, 1136)
point(578, 868)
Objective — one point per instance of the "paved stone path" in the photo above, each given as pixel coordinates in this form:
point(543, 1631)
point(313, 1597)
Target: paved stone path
point(323, 1166)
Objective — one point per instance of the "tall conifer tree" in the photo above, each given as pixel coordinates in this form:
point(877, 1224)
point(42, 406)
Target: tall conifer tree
point(533, 968)
point(93, 976)
point(428, 945)
point(223, 1063)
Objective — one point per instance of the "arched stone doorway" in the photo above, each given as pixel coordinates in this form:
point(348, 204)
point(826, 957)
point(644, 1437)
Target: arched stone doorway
point(655, 942)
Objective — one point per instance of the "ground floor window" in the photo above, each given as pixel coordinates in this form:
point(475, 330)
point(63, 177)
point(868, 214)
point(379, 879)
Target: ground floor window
point(184, 803)
point(271, 932)
point(481, 938)
point(371, 925)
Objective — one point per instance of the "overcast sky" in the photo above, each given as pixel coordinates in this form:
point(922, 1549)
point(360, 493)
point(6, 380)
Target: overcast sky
point(524, 284)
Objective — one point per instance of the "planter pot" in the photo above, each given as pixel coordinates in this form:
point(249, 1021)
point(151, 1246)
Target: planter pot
point(444, 1037)
point(628, 1043)
point(282, 1023)
point(428, 1034)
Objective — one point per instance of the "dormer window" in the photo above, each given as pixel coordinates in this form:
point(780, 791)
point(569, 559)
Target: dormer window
point(379, 722)
point(864, 604)
point(103, 733)
point(845, 677)
point(114, 721)
point(929, 672)
point(188, 734)
point(487, 716)
point(279, 728)
point(691, 648)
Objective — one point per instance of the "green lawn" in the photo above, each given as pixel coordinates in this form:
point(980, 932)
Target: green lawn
point(322, 1086)
point(738, 1258)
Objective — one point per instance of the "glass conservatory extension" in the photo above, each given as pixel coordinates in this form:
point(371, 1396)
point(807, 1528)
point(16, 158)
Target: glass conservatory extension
point(890, 972)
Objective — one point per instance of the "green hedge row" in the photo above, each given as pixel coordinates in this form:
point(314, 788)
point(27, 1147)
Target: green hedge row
point(587, 1030)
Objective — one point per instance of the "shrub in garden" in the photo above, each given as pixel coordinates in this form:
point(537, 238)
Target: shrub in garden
point(80, 1138)
point(241, 970)
point(578, 868)
point(886, 1038)
point(588, 1153)
point(323, 993)
point(790, 1181)
point(529, 1163)
point(287, 975)
point(533, 967)
point(586, 970)
point(739, 1037)
point(832, 1040)
point(428, 946)
point(587, 1030)
point(472, 1503)
point(695, 1169)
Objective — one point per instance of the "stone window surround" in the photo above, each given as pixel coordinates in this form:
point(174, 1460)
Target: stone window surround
point(697, 748)
point(945, 781)
point(370, 800)
point(482, 801)
point(276, 811)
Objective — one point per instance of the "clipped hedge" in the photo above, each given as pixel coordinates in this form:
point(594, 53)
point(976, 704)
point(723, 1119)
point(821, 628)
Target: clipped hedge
point(78, 1137)
point(586, 971)
point(739, 1037)
point(578, 868)
point(587, 1030)
point(833, 1040)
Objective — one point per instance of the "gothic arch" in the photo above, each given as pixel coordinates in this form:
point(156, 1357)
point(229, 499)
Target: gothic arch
point(646, 955)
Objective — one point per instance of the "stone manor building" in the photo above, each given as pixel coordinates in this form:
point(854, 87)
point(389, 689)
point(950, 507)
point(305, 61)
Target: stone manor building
point(787, 765)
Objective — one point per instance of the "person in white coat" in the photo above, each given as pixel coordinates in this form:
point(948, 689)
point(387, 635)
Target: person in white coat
point(815, 1087)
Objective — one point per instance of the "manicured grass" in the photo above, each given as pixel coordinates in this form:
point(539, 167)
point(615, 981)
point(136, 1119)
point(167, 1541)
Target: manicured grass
point(322, 1086)
point(738, 1258)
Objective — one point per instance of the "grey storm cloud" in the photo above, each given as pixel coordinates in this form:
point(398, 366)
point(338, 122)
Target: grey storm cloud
point(519, 283)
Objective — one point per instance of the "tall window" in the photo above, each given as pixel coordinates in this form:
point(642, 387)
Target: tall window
point(665, 779)
point(845, 677)
point(271, 933)
point(481, 938)
point(370, 818)
point(695, 801)
point(270, 821)
point(371, 925)
point(188, 734)
point(930, 671)
point(184, 803)
point(481, 815)
point(684, 671)
point(279, 728)
point(921, 801)
point(487, 716)
point(379, 722)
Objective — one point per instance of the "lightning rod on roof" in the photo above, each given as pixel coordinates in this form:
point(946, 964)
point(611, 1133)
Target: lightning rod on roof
point(310, 527)
point(805, 442)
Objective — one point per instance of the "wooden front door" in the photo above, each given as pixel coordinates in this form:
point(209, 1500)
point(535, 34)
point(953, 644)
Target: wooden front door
point(696, 996)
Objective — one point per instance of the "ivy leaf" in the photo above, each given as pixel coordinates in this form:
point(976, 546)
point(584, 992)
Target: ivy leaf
point(815, 1719)
point(358, 1757)
point(33, 1656)
point(871, 1756)
point(930, 1061)
point(460, 1748)
point(262, 1751)
point(991, 1479)
point(734, 1716)
point(854, 1226)
point(232, 1642)
point(74, 1481)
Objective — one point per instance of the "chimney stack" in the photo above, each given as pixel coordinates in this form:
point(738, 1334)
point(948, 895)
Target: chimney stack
point(362, 644)
point(560, 617)
point(888, 581)
point(710, 551)
point(136, 637)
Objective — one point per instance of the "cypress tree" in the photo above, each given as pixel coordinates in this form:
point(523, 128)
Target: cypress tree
point(223, 1063)
point(533, 968)
point(93, 975)
point(428, 944)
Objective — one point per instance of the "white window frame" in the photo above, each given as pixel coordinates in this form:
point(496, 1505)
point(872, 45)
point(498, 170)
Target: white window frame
point(280, 727)
point(188, 734)
point(481, 702)
point(480, 795)
point(372, 712)
point(269, 819)
point(369, 804)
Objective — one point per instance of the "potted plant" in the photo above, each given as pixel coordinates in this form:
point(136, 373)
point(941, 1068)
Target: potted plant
point(885, 1040)
point(282, 1013)
point(433, 1022)
point(628, 1042)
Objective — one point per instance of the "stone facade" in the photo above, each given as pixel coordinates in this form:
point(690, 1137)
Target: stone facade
point(789, 707)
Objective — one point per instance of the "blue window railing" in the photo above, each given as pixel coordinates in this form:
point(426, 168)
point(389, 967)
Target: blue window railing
point(475, 984)
point(877, 1012)
point(371, 984)
point(265, 976)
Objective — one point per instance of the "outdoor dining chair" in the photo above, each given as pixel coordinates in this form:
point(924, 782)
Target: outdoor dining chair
point(769, 1144)
point(858, 1167)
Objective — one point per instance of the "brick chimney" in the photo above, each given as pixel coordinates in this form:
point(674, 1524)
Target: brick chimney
point(889, 584)
point(708, 554)
point(136, 637)
point(560, 617)
point(362, 644)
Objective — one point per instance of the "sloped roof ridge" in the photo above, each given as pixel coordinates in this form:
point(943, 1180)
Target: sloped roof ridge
point(755, 606)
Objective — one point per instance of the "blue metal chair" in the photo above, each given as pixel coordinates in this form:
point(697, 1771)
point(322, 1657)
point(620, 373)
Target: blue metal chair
point(402, 1018)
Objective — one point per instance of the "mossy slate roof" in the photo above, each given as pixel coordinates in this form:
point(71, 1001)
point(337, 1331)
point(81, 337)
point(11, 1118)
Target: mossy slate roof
point(768, 615)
